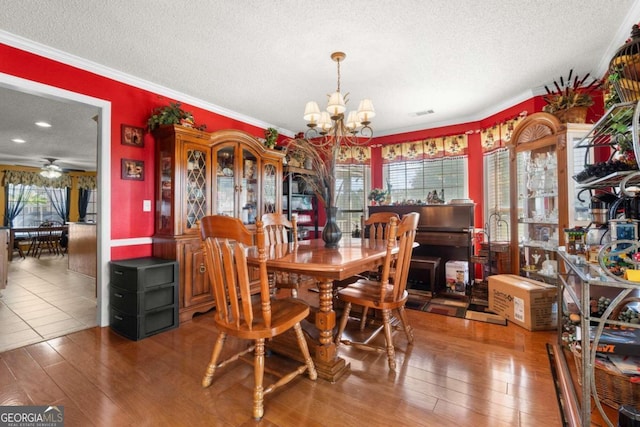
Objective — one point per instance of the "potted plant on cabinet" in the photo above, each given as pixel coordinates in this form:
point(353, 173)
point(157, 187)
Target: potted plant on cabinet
point(270, 137)
point(570, 100)
point(172, 114)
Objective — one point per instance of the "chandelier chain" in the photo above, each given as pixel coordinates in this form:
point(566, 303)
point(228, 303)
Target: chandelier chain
point(338, 62)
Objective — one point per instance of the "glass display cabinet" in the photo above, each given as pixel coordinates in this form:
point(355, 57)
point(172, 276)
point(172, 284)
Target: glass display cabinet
point(540, 193)
point(300, 201)
point(227, 172)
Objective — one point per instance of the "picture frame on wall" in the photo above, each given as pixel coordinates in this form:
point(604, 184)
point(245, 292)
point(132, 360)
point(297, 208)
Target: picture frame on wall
point(133, 169)
point(132, 135)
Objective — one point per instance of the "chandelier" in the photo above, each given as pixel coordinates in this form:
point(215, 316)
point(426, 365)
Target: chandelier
point(329, 127)
point(50, 170)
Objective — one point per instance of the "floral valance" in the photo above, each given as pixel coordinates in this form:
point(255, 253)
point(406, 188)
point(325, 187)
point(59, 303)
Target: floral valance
point(87, 182)
point(431, 148)
point(16, 177)
point(497, 136)
point(354, 155)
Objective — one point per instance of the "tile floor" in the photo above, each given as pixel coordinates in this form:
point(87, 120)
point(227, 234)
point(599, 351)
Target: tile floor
point(44, 300)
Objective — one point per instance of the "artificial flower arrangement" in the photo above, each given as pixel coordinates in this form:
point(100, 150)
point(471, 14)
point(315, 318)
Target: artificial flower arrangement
point(377, 195)
point(570, 93)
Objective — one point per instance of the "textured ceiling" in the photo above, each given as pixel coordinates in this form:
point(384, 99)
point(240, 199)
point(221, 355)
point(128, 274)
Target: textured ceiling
point(260, 61)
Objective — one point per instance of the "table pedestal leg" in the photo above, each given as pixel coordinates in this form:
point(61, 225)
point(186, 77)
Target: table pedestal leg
point(328, 364)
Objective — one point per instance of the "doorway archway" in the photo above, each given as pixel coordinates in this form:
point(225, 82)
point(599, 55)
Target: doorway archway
point(103, 176)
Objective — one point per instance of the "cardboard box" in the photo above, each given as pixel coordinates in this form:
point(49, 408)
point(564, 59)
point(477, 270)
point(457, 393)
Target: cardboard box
point(457, 276)
point(525, 302)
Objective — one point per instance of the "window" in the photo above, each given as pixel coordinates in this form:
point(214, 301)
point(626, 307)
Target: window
point(37, 207)
point(496, 191)
point(91, 207)
point(352, 184)
point(415, 180)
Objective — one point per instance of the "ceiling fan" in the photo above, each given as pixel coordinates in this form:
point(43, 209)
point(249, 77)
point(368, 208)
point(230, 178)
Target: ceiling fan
point(50, 170)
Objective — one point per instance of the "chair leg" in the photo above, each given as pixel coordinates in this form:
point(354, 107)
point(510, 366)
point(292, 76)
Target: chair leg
point(211, 368)
point(343, 322)
point(363, 319)
point(302, 342)
point(391, 354)
point(408, 330)
point(258, 376)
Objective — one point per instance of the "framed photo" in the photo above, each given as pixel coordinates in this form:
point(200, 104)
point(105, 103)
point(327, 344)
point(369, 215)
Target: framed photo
point(133, 169)
point(132, 135)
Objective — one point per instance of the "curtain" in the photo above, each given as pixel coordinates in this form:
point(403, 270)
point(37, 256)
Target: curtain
point(14, 201)
point(59, 201)
point(83, 203)
point(86, 184)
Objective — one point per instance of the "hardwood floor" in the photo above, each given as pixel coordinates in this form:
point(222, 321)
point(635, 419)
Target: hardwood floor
point(458, 373)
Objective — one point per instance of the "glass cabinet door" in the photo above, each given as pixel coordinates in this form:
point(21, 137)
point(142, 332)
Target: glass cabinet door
point(249, 189)
point(269, 193)
point(537, 188)
point(225, 187)
point(165, 199)
point(196, 204)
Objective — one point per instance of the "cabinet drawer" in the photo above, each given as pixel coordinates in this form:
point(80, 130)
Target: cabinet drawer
point(138, 302)
point(142, 273)
point(139, 327)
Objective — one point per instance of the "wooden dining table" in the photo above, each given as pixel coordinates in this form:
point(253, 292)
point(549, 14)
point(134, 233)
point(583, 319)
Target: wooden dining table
point(326, 265)
point(30, 233)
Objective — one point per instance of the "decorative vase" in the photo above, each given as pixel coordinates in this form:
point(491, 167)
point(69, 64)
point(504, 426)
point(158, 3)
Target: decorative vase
point(331, 233)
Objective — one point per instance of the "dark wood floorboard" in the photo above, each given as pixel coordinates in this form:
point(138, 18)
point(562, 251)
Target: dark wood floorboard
point(458, 373)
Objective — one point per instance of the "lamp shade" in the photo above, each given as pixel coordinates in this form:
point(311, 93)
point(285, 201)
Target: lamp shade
point(336, 105)
point(366, 111)
point(352, 121)
point(311, 112)
point(325, 122)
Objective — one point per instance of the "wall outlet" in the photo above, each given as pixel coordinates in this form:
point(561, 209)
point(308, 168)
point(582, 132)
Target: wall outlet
point(146, 205)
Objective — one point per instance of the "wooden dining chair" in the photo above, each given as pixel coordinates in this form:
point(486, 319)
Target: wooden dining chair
point(46, 239)
point(225, 241)
point(277, 229)
point(375, 228)
point(385, 294)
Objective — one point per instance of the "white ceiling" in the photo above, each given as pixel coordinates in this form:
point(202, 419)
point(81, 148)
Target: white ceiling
point(260, 61)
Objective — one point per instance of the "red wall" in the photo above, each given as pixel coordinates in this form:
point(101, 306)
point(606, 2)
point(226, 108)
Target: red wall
point(131, 105)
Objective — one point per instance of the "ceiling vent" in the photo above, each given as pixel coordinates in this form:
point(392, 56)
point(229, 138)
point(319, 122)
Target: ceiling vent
point(422, 113)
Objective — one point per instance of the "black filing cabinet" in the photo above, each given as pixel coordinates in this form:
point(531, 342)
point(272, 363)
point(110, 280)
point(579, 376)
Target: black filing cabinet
point(144, 296)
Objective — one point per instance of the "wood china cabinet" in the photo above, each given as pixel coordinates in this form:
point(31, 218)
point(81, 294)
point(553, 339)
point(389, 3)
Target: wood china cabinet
point(542, 192)
point(227, 172)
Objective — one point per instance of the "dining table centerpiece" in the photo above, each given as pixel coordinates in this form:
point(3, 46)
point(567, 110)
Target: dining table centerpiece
point(322, 160)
